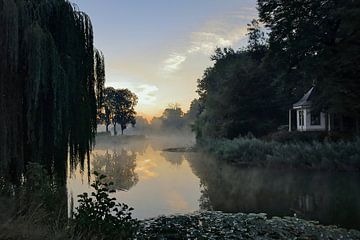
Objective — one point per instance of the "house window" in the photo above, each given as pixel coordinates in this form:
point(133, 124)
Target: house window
point(301, 118)
point(315, 119)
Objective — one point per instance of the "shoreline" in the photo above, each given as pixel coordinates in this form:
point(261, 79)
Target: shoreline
point(219, 225)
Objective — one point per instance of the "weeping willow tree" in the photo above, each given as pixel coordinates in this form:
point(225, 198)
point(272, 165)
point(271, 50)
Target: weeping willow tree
point(50, 81)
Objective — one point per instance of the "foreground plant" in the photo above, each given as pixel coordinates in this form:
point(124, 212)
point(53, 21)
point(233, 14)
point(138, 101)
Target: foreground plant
point(100, 217)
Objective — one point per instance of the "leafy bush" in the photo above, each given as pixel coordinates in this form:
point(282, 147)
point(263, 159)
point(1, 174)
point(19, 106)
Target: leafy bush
point(326, 155)
point(100, 217)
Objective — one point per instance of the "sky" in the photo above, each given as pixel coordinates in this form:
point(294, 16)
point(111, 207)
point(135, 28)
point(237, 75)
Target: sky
point(159, 48)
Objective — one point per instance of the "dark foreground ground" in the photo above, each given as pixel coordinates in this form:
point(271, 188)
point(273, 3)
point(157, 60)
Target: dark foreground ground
point(216, 225)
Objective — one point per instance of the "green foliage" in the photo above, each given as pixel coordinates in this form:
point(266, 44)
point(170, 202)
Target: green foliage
point(47, 85)
point(40, 189)
point(237, 97)
point(325, 155)
point(293, 45)
point(315, 41)
point(100, 217)
point(173, 118)
point(100, 78)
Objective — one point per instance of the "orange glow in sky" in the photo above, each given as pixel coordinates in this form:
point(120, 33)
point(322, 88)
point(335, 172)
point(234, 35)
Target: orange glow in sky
point(159, 49)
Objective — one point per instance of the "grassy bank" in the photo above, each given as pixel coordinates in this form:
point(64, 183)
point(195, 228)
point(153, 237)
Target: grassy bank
point(341, 155)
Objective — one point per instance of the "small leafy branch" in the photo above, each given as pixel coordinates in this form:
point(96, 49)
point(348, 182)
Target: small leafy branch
point(99, 216)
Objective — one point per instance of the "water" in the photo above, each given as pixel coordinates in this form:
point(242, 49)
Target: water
point(162, 183)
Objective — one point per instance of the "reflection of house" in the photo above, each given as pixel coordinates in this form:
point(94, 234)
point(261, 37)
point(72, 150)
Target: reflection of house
point(303, 118)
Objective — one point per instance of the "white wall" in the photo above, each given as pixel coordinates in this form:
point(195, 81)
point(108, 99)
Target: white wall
point(307, 121)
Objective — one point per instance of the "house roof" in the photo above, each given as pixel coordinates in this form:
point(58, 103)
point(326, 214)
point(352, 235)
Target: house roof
point(305, 101)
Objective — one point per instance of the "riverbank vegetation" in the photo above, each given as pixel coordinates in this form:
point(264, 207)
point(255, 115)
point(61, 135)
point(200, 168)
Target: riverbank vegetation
point(314, 155)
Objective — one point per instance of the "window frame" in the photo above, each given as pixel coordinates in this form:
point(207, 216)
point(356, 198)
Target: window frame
point(315, 119)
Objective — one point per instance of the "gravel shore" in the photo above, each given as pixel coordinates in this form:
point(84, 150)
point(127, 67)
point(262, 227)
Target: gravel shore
point(217, 225)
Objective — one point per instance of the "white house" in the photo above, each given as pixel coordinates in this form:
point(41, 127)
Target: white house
point(306, 119)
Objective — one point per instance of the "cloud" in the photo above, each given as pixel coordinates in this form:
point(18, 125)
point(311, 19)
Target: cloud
point(206, 42)
point(224, 32)
point(146, 94)
point(173, 63)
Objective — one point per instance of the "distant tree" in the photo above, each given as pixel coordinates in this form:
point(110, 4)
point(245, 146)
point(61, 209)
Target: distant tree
point(118, 108)
point(172, 117)
point(124, 110)
point(108, 107)
point(194, 111)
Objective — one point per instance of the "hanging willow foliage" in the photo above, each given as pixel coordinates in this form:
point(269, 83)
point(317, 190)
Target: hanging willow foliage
point(50, 81)
point(100, 77)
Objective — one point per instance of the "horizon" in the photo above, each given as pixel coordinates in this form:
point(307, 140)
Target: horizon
point(178, 42)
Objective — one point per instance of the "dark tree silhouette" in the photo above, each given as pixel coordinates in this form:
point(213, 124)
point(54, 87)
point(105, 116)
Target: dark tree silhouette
point(172, 117)
point(108, 105)
point(237, 97)
point(47, 85)
point(316, 42)
point(124, 113)
point(118, 108)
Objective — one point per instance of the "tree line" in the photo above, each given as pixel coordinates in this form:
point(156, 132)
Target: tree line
point(293, 46)
point(173, 120)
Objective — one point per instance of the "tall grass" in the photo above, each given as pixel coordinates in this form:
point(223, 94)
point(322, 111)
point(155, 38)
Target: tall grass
point(34, 209)
point(37, 209)
point(341, 155)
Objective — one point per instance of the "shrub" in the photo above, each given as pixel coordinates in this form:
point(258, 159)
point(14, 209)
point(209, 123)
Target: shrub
point(100, 217)
point(326, 155)
point(35, 208)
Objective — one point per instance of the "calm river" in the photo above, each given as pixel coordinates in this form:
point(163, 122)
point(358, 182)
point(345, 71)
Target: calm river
point(161, 183)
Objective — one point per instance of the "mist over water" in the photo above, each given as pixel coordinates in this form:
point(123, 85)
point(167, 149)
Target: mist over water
point(150, 180)
point(156, 182)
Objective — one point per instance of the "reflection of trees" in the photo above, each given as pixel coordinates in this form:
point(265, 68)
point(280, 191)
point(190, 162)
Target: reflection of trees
point(137, 144)
point(204, 201)
point(331, 198)
point(119, 168)
point(174, 158)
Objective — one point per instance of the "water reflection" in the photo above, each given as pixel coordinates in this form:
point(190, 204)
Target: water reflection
point(158, 183)
point(161, 183)
point(174, 158)
point(118, 167)
point(331, 198)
